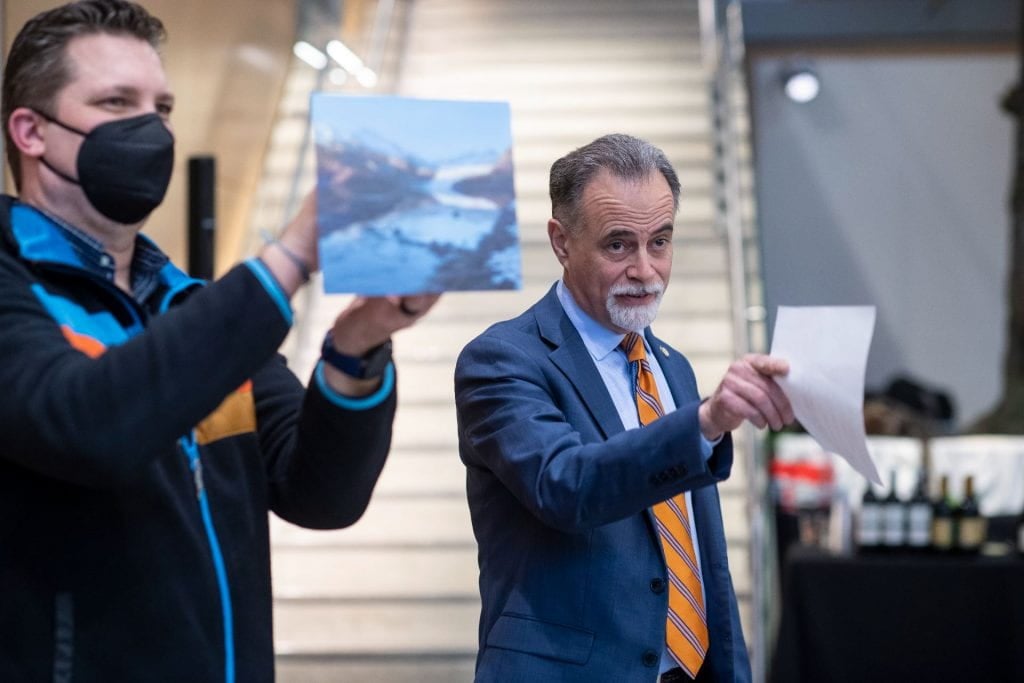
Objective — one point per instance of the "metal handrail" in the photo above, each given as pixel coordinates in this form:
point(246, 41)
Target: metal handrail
point(722, 57)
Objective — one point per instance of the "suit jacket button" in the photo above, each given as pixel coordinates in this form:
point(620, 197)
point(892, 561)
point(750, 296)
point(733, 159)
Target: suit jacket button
point(657, 586)
point(650, 658)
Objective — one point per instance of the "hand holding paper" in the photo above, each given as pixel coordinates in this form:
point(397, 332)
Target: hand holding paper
point(747, 392)
point(827, 350)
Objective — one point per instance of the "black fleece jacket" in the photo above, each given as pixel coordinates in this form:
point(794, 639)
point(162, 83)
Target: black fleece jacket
point(107, 569)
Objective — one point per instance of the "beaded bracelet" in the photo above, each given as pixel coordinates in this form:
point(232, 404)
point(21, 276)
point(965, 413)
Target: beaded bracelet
point(270, 240)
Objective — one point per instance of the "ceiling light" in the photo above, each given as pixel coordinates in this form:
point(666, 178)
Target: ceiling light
point(801, 85)
point(366, 77)
point(348, 60)
point(337, 75)
point(310, 55)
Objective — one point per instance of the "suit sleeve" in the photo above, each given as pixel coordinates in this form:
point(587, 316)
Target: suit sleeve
point(522, 421)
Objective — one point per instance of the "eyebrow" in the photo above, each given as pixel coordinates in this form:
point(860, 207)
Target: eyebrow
point(619, 232)
point(133, 92)
point(117, 90)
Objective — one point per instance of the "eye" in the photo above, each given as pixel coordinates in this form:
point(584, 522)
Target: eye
point(662, 243)
point(116, 102)
point(616, 247)
point(164, 110)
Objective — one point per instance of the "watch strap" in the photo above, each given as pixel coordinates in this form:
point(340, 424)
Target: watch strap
point(368, 366)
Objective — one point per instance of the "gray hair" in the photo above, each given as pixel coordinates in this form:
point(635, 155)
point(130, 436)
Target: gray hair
point(625, 156)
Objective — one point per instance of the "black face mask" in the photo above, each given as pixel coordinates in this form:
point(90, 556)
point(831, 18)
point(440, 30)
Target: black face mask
point(124, 166)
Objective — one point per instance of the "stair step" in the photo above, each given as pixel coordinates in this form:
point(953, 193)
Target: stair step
point(328, 572)
point(390, 523)
point(422, 668)
point(430, 59)
point(376, 627)
point(577, 75)
point(473, 12)
point(439, 474)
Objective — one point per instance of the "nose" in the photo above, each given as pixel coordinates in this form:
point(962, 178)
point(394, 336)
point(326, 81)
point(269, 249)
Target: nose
point(641, 267)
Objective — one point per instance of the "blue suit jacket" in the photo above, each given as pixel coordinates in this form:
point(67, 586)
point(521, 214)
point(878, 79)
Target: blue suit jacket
point(572, 576)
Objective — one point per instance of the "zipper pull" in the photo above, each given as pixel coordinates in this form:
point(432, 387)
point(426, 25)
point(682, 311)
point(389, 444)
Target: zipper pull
point(188, 447)
point(197, 476)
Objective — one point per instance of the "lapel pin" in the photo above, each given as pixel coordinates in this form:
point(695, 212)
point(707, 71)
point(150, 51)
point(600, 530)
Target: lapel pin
point(664, 351)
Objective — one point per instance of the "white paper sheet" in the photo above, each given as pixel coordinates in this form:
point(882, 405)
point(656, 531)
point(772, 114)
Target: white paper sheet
point(827, 349)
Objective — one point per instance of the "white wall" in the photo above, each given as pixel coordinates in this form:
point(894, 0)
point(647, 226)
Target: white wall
point(891, 189)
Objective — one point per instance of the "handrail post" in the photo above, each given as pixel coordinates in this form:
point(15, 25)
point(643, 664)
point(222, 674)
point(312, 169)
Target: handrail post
point(722, 56)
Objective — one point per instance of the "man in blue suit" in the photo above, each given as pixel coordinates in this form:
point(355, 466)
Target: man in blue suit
point(562, 478)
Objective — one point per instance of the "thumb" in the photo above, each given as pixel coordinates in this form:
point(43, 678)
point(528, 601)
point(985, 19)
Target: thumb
point(768, 365)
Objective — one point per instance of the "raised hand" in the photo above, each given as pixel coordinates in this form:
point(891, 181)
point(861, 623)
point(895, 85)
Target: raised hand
point(747, 392)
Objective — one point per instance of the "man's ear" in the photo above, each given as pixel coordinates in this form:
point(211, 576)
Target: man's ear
point(26, 132)
point(559, 237)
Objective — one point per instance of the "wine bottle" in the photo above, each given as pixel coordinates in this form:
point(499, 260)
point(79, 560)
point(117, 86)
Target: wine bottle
point(869, 521)
point(943, 529)
point(972, 530)
point(919, 516)
point(894, 518)
point(1019, 536)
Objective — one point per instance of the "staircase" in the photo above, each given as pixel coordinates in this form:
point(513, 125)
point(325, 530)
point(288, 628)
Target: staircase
point(394, 598)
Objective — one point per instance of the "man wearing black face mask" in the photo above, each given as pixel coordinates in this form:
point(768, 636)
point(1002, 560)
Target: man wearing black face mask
point(124, 165)
point(148, 423)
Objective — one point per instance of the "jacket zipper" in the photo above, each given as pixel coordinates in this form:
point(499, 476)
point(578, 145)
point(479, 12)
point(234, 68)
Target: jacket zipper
point(191, 450)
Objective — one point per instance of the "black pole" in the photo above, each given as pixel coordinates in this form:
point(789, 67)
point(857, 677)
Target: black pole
point(202, 221)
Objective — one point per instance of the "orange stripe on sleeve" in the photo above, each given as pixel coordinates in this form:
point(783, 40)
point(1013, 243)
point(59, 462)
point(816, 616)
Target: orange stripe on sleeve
point(90, 346)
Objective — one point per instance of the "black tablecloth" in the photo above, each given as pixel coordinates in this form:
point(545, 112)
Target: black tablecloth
point(901, 618)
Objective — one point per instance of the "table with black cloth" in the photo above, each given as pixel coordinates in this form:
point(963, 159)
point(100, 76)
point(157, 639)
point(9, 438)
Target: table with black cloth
point(900, 618)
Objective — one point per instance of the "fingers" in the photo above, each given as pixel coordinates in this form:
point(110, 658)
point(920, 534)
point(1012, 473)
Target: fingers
point(416, 306)
point(768, 365)
point(369, 321)
point(748, 392)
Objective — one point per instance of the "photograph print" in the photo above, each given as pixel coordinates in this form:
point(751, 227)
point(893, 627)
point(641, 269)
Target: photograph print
point(414, 195)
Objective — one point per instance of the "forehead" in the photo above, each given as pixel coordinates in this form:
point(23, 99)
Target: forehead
point(105, 60)
point(609, 200)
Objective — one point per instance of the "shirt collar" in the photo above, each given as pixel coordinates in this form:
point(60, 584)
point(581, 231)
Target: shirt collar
point(88, 249)
point(599, 340)
point(147, 259)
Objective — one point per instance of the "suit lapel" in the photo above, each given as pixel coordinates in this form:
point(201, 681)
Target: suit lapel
point(570, 355)
point(675, 369)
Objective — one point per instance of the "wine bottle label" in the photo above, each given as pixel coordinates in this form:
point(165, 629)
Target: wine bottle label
point(942, 533)
point(892, 524)
point(919, 525)
point(972, 532)
point(869, 526)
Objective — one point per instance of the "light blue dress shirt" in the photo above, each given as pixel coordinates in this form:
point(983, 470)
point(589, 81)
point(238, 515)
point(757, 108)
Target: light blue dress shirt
point(611, 362)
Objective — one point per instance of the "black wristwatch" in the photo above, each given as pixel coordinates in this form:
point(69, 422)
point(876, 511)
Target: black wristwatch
point(368, 366)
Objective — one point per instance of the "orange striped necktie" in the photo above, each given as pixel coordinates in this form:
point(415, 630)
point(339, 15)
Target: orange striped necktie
point(686, 628)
